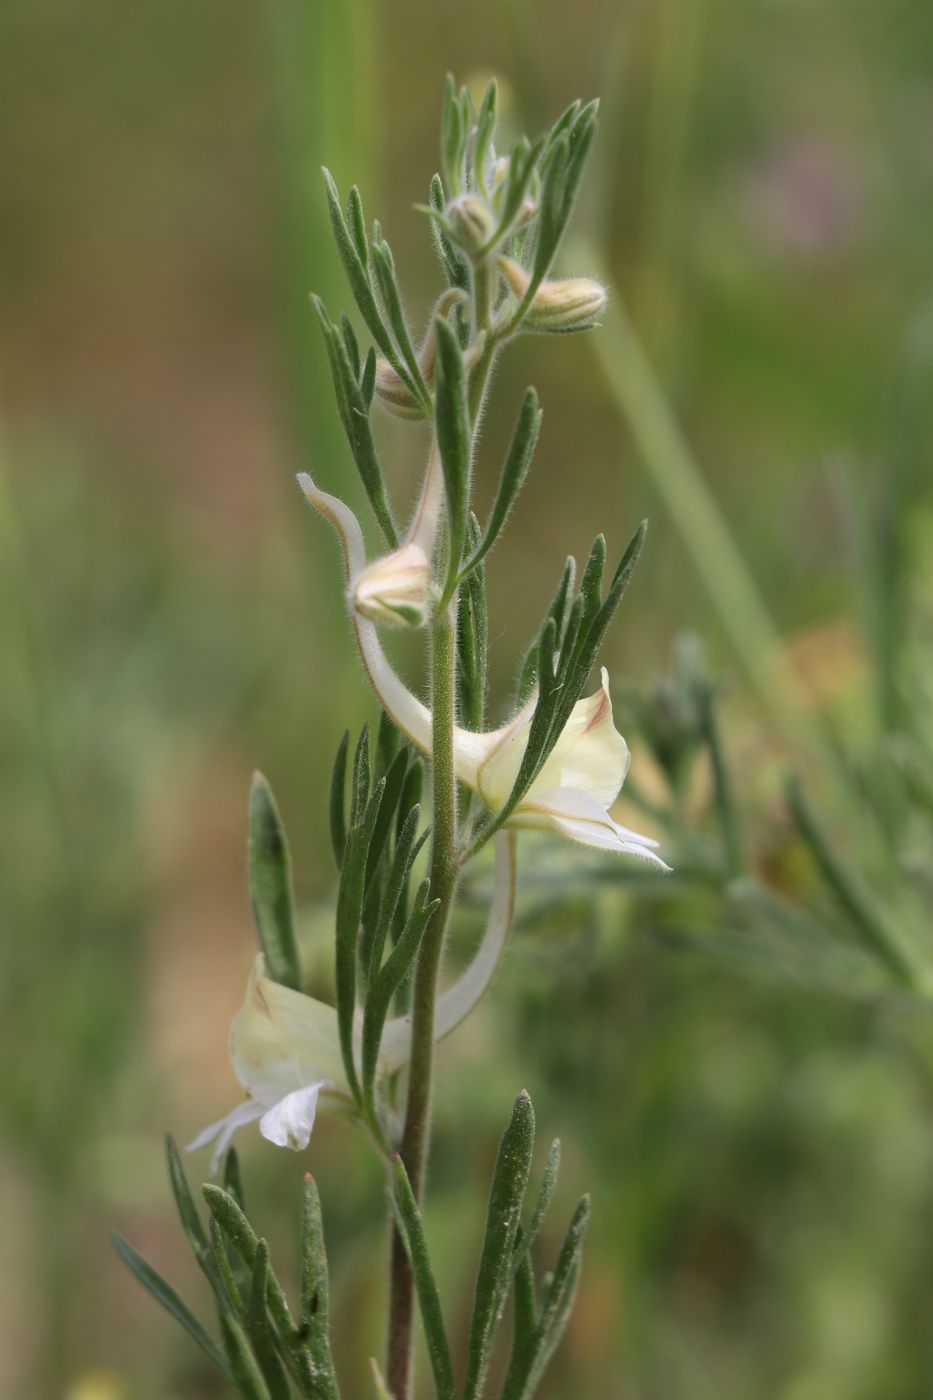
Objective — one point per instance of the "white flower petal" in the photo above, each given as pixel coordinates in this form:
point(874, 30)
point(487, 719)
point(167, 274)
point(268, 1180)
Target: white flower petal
point(289, 1122)
point(578, 815)
point(223, 1131)
point(282, 1040)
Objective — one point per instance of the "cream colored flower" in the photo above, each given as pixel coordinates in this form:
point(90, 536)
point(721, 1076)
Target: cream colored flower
point(285, 1046)
point(584, 772)
point(395, 589)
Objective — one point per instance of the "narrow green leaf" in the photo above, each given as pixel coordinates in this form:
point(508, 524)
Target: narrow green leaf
point(514, 471)
point(368, 379)
point(558, 1300)
point(473, 640)
point(410, 1229)
point(384, 264)
point(242, 1237)
point(315, 1292)
point(453, 263)
point(452, 419)
point(357, 225)
point(408, 845)
point(353, 406)
point(225, 1269)
point(524, 1321)
point(187, 1210)
point(233, 1181)
point(388, 744)
point(384, 984)
point(564, 122)
point(394, 783)
point(351, 344)
point(532, 1351)
point(338, 801)
point(355, 265)
point(246, 1375)
point(165, 1294)
point(557, 610)
point(591, 581)
point(496, 1266)
point(485, 126)
point(259, 1328)
point(452, 138)
point(349, 911)
point(359, 787)
point(270, 885)
point(545, 1196)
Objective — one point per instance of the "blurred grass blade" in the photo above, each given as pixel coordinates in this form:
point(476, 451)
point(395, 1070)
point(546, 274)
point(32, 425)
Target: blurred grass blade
point(850, 891)
point(163, 1293)
point(410, 1229)
point(270, 885)
point(496, 1266)
point(378, 1382)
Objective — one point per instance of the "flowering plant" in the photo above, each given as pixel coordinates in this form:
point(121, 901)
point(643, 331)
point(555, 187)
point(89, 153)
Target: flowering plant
point(557, 765)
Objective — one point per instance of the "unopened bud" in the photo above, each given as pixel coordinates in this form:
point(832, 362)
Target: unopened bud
point(569, 304)
point(395, 393)
point(389, 384)
point(471, 222)
point(395, 589)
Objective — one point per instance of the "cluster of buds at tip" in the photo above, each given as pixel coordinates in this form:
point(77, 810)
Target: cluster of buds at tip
point(394, 393)
point(566, 304)
point(396, 589)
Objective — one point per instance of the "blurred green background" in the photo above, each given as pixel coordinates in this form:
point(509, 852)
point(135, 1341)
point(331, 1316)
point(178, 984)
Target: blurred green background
point(759, 1148)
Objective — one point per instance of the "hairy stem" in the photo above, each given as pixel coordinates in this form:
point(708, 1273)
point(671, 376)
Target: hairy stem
point(444, 872)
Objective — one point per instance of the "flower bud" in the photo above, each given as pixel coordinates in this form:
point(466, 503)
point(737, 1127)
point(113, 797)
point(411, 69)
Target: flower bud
point(472, 222)
point(395, 393)
point(391, 387)
point(394, 590)
point(568, 304)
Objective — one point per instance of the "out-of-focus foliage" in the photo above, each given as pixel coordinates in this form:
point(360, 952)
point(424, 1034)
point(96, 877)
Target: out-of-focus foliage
point(752, 1115)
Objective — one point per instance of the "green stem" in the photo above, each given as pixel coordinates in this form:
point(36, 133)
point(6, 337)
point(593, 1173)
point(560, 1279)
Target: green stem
point(443, 874)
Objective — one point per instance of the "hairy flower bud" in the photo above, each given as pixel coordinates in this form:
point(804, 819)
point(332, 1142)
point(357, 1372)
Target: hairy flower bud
point(568, 304)
point(394, 590)
point(391, 387)
point(472, 222)
point(395, 393)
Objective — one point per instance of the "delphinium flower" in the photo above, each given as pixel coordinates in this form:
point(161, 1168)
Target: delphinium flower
point(556, 765)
